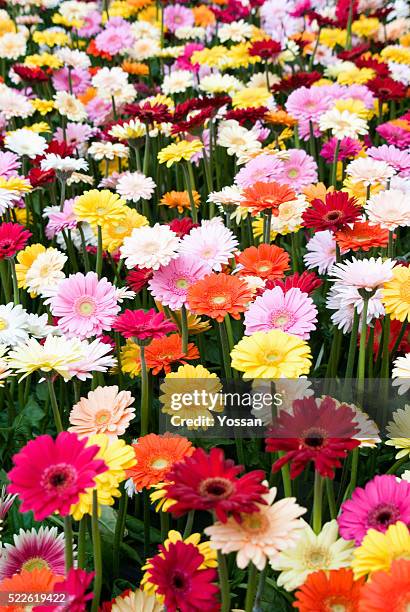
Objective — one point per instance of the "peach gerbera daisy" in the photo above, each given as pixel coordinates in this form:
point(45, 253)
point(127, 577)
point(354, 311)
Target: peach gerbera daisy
point(106, 410)
point(155, 456)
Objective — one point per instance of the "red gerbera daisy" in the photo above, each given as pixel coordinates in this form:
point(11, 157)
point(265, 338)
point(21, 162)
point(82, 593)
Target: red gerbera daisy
point(318, 430)
point(143, 324)
point(335, 213)
point(332, 590)
point(49, 475)
point(30, 73)
point(138, 278)
point(177, 575)
point(307, 282)
point(13, 238)
point(184, 108)
point(38, 177)
point(148, 113)
point(247, 114)
point(183, 226)
point(388, 590)
point(386, 88)
point(196, 121)
point(354, 52)
point(345, 8)
point(294, 81)
point(265, 49)
point(210, 482)
point(74, 586)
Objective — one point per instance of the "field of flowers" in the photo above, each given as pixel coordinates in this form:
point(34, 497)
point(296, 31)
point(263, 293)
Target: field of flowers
point(204, 305)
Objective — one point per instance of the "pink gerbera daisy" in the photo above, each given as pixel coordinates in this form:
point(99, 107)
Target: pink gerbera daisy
point(308, 104)
point(293, 312)
point(112, 40)
point(399, 160)
point(263, 168)
point(299, 169)
point(33, 549)
point(9, 164)
point(170, 283)
point(60, 219)
point(49, 475)
point(383, 501)
point(78, 78)
point(84, 305)
point(178, 16)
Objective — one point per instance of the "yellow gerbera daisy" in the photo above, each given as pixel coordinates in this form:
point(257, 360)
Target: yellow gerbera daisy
point(272, 354)
point(130, 359)
point(179, 150)
point(99, 207)
point(396, 294)
point(43, 106)
point(25, 260)
point(114, 232)
point(251, 97)
point(378, 550)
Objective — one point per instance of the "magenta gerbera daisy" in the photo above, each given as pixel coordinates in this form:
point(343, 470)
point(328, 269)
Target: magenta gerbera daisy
point(33, 549)
point(170, 283)
point(143, 325)
point(50, 474)
point(85, 306)
point(13, 238)
point(210, 482)
point(292, 311)
point(381, 503)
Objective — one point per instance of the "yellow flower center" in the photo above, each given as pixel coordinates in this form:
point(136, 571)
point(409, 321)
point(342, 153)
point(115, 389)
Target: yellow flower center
point(35, 563)
point(181, 283)
point(405, 291)
point(120, 229)
point(255, 523)
point(100, 210)
point(102, 417)
point(3, 324)
point(272, 357)
point(159, 464)
point(317, 558)
point(219, 300)
point(264, 267)
point(44, 271)
point(292, 173)
point(85, 307)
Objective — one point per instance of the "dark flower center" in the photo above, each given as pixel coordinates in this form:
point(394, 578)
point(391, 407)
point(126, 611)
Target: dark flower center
point(58, 478)
point(314, 438)
point(334, 215)
point(179, 581)
point(383, 515)
point(216, 488)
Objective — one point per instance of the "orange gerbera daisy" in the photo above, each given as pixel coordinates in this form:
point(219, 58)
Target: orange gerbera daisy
point(217, 295)
point(155, 456)
point(266, 196)
point(280, 117)
point(88, 95)
point(267, 261)
point(35, 581)
point(327, 591)
point(316, 191)
point(179, 200)
point(362, 237)
point(203, 16)
point(136, 68)
point(388, 590)
point(165, 351)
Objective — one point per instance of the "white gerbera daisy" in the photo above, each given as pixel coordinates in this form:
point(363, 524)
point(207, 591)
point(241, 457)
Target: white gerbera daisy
point(65, 165)
point(177, 81)
point(369, 171)
point(212, 243)
point(25, 142)
point(135, 186)
point(13, 324)
point(150, 247)
point(69, 106)
point(343, 124)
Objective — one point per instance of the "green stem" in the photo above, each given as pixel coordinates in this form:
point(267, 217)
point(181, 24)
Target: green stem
point(267, 220)
point(82, 532)
point(184, 329)
point(5, 281)
point(119, 530)
point(334, 166)
point(62, 194)
point(361, 367)
point(16, 296)
point(224, 583)
point(84, 249)
point(164, 518)
point(144, 393)
point(187, 171)
point(397, 464)
point(147, 523)
point(54, 405)
point(352, 345)
point(225, 350)
point(189, 524)
point(68, 542)
point(390, 246)
point(317, 503)
point(286, 480)
point(331, 498)
point(252, 585)
point(385, 355)
point(98, 265)
point(96, 554)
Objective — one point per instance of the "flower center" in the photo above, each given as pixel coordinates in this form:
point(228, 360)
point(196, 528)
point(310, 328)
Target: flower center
point(3, 324)
point(181, 283)
point(317, 558)
point(216, 488)
point(255, 523)
point(333, 215)
point(219, 300)
point(100, 210)
point(58, 478)
point(179, 581)
point(314, 438)
point(383, 516)
point(293, 173)
point(405, 292)
point(159, 464)
point(120, 229)
point(102, 417)
point(44, 271)
point(336, 604)
point(85, 306)
point(282, 319)
point(264, 267)
point(272, 357)
point(35, 563)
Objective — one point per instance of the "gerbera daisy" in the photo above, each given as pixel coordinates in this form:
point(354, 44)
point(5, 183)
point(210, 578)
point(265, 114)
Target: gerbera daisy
point(170, 284)
point(182, 150)
point(134, 186)
point(378, 550)
point(45, 272)
point(13, 238)
point(218, 295)
point(336, 212)
point(95, 357)
point(299, 169)
point(85, 305)
point(13, 324)
point(150, 247)
point(179, 200)
point(312, 553)
point(74, 587)
point(114, 232)
point(331, 590)
point(143, 324)
point(262, 197)
point(383, 501)
point(307, 282)
point(212, 243)
point(177, 575)
point(97, 207)
point(260, 535)
point(155, 457)
point(390, 588)
point(272, 354)
point(267, 261)
point(37, 581)
point(321, 252)
point(33, 550)
point(388, 209)
point(135, 600)
point(362, 236)
point(396, 294)
point(369, 171)
point(291, 311)
point(163, 352)
point(104, 410)
point(318, 430)
point(50, 475)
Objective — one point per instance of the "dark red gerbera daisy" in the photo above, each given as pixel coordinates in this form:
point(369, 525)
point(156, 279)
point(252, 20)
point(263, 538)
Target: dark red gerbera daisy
point(13, 238)
point(138, 278)
point(183, 226)
point(381, 69)
point(306, 282)
point(318, 430)
point(38, 177)
point(321, 20)
point(176, 573)
point(332, 214)
point(242, 115)
point(265, 49)
point(143, 324)
point(148, 113)
point(395, 334)
point(294, 81)
point(30, 73)
point(386, 88)
point(346, 9)
point(351, 54)
point(182, 109)
point(196, 121)
point(210, 482)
